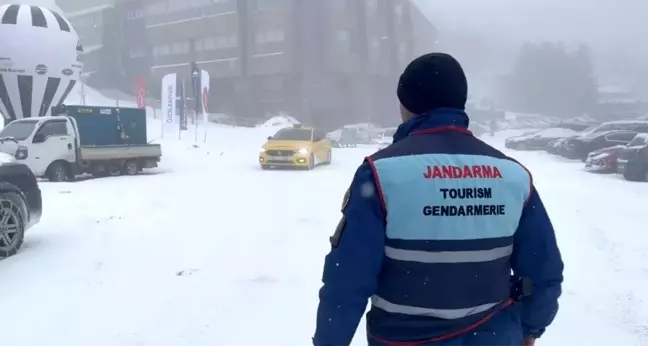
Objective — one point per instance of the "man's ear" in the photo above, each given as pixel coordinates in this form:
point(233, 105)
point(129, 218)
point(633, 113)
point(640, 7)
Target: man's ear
point(405, 113)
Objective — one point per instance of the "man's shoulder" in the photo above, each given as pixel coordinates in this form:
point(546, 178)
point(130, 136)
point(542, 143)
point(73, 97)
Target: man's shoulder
point(439, 144)
point(489, 149)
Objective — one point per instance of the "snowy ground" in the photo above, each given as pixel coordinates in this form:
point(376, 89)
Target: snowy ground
point(210, 250)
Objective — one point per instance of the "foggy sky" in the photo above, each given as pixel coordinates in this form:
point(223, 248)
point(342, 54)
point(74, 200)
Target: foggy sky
point(491, 30)
point(605, 24)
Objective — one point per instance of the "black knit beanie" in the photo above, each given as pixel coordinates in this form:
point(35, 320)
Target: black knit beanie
point(431, 81)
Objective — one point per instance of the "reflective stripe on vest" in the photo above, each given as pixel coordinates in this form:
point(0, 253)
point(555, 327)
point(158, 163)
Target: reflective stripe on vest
point(447, 314)
point(448, 256)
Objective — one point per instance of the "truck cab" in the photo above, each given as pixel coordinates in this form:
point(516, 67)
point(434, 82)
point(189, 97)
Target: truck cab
point(38, 142)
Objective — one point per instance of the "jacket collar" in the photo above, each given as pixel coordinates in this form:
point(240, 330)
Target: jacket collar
point(441, 117)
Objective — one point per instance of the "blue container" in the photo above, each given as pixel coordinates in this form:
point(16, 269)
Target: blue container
point(100, 126)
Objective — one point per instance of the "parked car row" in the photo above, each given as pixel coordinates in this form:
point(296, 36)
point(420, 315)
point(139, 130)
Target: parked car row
point(610, 147)
point(630, 160)
point(350, 136)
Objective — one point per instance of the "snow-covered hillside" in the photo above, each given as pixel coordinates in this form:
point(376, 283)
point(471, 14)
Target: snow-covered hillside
point(210, 250)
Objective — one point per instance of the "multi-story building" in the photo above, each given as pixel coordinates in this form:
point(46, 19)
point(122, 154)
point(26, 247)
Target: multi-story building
point(88, 17)
point(332, 62)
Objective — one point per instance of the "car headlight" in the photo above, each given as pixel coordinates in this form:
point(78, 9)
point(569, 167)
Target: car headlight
point(302, 151)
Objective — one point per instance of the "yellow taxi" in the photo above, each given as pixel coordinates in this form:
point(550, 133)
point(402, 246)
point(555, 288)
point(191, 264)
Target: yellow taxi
point(297, 146)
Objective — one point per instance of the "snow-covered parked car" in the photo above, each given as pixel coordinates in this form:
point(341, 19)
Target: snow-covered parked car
point(633, 160)
point(386, 137)
point(349, 136)
point(580, 147)
point(367, 133)
point(604, 160)
point(539, 140)
point(20, 204)
point(604, 135)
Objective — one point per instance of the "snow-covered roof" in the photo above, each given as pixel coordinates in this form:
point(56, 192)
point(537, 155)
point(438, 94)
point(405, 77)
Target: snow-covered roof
point(280, 121)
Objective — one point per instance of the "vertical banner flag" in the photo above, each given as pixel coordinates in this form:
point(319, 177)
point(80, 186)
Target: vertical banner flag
point(169, 94)
point(182, 107)
point(204, 86)
point(141, 93)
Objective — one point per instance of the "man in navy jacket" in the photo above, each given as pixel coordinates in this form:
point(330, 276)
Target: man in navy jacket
point(432, 228)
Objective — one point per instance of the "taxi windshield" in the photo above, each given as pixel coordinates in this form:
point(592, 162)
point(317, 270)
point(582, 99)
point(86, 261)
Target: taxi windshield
point(293, 135)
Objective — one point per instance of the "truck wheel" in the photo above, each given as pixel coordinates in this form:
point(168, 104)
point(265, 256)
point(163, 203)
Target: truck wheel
point(114, 171)
point(12, 223)
point(131, 167)
point(58, 172)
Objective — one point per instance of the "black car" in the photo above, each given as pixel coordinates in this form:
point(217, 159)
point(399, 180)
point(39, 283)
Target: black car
point(538, 140)
point(578, 147)
point(575, 126)
point(633, 160)
point(21, 205)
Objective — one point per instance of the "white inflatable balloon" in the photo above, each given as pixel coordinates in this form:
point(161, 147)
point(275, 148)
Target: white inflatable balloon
point(39, 60)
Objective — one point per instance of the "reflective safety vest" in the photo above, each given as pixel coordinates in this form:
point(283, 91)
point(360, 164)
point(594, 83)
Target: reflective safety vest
point(451, 212)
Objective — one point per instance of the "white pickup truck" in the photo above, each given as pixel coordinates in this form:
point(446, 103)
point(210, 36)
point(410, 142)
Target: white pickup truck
point(50, 147)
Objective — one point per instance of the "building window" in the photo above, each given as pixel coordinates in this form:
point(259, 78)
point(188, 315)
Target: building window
point(340, 4)
point(343, 41)
point(157, 8)
point(199, 3)
point(276, 35)
point(403, 55)
point(161, 50)
point(98, 20)
point(214, 43)
point(399, 12)
point(135, 14)
point(266, 4)
point(272, 83)
point(177, 5)
point(270, 36)
point(137, 53)
point(209, 43)
point(374, 48)
point(221, 42)
point(182, 47)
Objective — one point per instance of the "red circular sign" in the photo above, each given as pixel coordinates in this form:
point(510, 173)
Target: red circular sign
point(205, 98)
point(140, 99)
